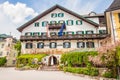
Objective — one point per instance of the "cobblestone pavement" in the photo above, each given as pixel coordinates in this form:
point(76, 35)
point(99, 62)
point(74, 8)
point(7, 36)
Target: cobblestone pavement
point(12, 74)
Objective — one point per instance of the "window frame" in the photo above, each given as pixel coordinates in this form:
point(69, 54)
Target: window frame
point(83, 45)
point(68, 46)
point(39, 46)
point(50, 45)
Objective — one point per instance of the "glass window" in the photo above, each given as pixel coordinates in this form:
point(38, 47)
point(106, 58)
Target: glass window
point(66, 45)
point(28, 34)
point(53, 15)
point(1, 53)
point(80, 44)
point(40, 45)
point(79, 22)
point(53, 45)
point(36, 34)
point(102, 31)
point(53, 33)
point(29, 45)
point(61, 21)
point(60, 14)
point(43, 34)
point(52, 22)
point(2, 45)
point(89, 32)
point(37, 24)
point(90, 44)
point(70, 22)
point(44, 23)
point(80, 32)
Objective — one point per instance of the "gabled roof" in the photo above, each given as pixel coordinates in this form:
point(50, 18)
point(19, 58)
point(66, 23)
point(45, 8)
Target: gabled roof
point(50, 10)
point(114, 6)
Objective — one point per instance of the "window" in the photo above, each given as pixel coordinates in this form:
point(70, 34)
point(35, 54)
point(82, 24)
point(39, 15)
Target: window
point(43, 34)
point(90, 44)
point(44, 23)
point(102, 31)
point(29, 45)
point(2, 45)
point(13, 62)
point(79, 22)
point(36, 34)
point(53, 45)
point(80, 44)
point(119, 16)
point(70, 22)
point(40, 45)
point(66, 45)
point(61, 21)
point(1, 53)
point(80, 32)
point(52, 22)
point(37, 24)
point(60, 14)
point(8, 45)
point(69, 33)
point(53, 33)
point(53, 15)
point(89, 32)
point(7, 53)
point(28, 34)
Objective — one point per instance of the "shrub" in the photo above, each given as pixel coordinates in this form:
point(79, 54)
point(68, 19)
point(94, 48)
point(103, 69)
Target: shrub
point(28, 60)
point(108, 74)
point(86, 71)
point(76, 59)
point(3, 61)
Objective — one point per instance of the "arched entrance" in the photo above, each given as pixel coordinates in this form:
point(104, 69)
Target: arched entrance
point(52, 61)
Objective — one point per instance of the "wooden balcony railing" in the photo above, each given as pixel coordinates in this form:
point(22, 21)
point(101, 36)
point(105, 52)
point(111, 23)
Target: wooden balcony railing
point(55, 26)
point(65, 37)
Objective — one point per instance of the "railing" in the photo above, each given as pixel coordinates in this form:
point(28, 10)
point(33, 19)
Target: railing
point(55, 26)
point(66, 37)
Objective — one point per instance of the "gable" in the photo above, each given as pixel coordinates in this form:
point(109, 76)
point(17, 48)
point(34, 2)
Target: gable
point(52, 9)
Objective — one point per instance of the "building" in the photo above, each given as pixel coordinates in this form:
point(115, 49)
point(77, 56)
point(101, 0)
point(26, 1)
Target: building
point(80, 33)
point(7, 49)
point(113, 20)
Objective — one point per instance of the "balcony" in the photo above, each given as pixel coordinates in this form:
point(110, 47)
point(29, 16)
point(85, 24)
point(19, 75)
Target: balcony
point(55, 26)
point(65, 37)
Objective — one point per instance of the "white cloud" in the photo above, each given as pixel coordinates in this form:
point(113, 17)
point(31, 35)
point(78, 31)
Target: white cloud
point(12, 16)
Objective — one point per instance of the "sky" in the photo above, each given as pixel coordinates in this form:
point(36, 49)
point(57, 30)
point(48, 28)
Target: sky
point(14, 13)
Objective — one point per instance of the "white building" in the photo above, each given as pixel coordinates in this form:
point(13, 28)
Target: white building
point(81, 33)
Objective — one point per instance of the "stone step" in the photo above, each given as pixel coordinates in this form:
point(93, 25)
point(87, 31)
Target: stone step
point(49, 68)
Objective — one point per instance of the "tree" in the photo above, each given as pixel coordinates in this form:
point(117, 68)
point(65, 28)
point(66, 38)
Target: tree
point(17, 46)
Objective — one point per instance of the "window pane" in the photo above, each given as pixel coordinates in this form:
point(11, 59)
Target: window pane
point(53, 45)
point(53, 15)
point(40, 45)
point(66, 45)
point(79, 22)
point(44, 23)
point(90, 44)
point(60, 14)
point(80, 44)
point(70, 22)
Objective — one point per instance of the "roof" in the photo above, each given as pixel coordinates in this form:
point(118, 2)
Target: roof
point(114, 6)
point(96, 15)
point(5, 36)
point(50, 10)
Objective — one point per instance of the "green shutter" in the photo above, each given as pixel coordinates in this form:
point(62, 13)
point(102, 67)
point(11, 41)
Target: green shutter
point(72, 33)
point(92, 32)
point(67, 22)
point(43, 24)
point(82, 32)
point(77, 22)
point(86, 32)
point(71, 22)
point(36, 24)
point(60, 14)
point(53, 15)
point(31, 34)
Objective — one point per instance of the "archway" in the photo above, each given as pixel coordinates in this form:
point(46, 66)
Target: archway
point(52, 61)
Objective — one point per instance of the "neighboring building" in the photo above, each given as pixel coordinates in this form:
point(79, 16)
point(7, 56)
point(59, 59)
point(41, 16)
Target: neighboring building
point(7, 49)
point(81, 33)
point(113, 20)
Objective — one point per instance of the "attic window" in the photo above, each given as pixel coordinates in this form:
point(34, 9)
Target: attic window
point(60, 14)
point(53, 15)
point(37, 24)
point(79, 22)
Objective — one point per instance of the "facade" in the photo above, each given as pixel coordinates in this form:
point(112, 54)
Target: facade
point(7, 49)
point(80, 33)
point(113, 20)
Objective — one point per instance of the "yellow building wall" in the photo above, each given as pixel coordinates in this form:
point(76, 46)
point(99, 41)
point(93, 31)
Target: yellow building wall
point(116, 19)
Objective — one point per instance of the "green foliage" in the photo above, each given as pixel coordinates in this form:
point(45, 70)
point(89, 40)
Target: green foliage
point(77, 58)
point(17, 46)
point(3, 61)
point(28, 60)
point(108, 74)
point(87, 71)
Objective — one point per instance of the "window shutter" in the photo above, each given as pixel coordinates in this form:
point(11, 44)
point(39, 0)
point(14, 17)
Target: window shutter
point(82, 32)
point(67, 22)
point(86, 32)
point(71, 22)
point(31, 34)
point(92, 32)
point(72, 33)
point(43, 24)
point(93, 44)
